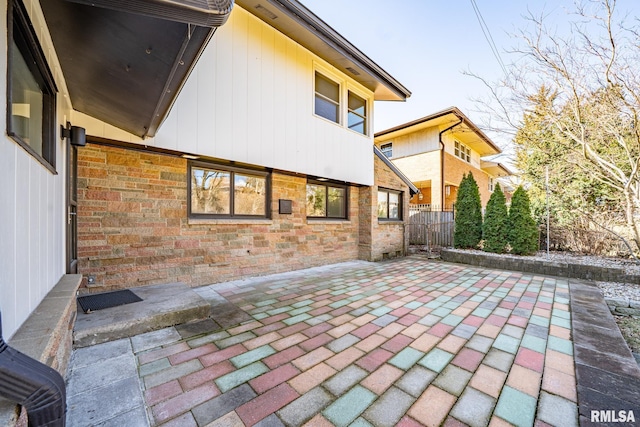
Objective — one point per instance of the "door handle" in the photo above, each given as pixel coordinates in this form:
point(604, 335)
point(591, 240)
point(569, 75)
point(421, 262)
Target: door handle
point(70, 213)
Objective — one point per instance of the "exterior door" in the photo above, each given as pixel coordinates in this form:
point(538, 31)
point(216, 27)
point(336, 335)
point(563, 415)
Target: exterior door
point(72, 208)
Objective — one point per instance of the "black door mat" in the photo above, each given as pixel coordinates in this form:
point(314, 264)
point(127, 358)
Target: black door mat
point(95, 302)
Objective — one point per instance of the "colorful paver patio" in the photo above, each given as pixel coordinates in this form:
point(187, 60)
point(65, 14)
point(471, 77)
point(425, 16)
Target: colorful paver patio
point(406, 342)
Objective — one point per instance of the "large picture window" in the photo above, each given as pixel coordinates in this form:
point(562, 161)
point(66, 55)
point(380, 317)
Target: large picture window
point(389, 205)
point(326, 200)
point(31, 90)
point(223, 192)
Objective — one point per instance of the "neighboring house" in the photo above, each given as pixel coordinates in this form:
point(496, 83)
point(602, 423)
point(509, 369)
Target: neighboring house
point(208, 157)
point(434, 152)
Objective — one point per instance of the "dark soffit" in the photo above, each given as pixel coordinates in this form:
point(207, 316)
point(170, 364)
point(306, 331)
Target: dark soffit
point(124, 65)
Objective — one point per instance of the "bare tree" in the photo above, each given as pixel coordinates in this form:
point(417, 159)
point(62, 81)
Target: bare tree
point(583, 87)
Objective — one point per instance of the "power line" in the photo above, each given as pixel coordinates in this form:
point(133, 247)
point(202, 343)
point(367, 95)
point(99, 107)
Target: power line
point(487, 35)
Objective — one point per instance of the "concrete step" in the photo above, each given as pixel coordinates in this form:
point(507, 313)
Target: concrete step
point(161, 306)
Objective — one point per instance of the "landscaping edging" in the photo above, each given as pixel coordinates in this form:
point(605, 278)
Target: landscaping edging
point(618, 306)
point(623, 306)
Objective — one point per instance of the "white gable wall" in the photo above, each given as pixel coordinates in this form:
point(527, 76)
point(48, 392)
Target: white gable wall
point(422, 141)
point(250, 99)
point(32, 211)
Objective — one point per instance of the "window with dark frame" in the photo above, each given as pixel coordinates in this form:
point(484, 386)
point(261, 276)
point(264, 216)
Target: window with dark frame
point(31, 91)
point(389, 205)
point(326, 201)
point(327, 98)
point(217, 191)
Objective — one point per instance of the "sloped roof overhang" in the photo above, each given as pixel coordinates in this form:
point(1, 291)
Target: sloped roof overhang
point(495, 168)
point(471, 133)
point(412, 188)
point(125, 61)
point(294, 20)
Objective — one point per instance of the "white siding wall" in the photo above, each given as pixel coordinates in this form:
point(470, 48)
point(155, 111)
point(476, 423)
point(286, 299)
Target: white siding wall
point(422, 141)
point(32, 211)
point(250, 99)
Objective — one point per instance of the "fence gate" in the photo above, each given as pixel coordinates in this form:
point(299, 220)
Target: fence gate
point(430, 226)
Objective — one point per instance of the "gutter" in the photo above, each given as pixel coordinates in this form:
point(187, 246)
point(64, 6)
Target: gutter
point(317, 26)
point(203, 13)
point(442, 159)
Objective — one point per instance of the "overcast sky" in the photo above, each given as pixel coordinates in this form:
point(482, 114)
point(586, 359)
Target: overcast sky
point(426, 44)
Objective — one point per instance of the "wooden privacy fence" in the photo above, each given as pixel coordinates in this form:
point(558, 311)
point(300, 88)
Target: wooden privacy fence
point(431, 226)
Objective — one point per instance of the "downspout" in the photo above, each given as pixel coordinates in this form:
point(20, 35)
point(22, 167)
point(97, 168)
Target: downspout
point(442, 161)
point(34, 385)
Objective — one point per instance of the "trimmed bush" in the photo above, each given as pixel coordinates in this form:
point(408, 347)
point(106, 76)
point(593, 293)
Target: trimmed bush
point(494, 228)
point(523, 233)
point(468, 216)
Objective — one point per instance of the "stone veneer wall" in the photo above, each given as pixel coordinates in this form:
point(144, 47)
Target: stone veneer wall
point(382, 239)
point(133, 228)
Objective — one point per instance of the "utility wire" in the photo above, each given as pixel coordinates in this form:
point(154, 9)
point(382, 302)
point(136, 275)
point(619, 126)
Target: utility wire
point(487, 36)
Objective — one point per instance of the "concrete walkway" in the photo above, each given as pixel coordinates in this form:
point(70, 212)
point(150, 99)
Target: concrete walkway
point(406, 342)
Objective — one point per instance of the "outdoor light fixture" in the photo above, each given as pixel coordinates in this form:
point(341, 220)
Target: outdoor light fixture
point(76, 135)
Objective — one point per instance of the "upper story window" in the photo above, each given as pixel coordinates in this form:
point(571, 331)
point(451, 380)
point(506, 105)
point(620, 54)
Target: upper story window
point(462, 151)
point(389, 204)
point(327, 103)
point(330, 94)
point(326, 200)
point(217, 191)
point(491, 184)
point(387, 149)
point(31, 100)
point(357, 113)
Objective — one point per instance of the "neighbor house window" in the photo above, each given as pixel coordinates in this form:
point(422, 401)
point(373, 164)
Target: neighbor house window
point(387, 149)
point(224, 192)
point(389, 204)
point(357, 118)
point(31, 100)
point(326, 200)
point(462, 151)
point(327, 103)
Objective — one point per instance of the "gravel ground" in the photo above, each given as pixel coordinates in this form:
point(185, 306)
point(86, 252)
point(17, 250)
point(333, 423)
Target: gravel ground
point(619, 290)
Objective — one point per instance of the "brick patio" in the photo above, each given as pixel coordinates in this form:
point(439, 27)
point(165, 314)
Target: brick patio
point(406, 342)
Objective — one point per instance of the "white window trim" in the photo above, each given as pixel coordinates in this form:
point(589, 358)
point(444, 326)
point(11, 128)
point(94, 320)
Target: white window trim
point(341, 98)
point(368, 107)
point(463, 149)
point(345, 86)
